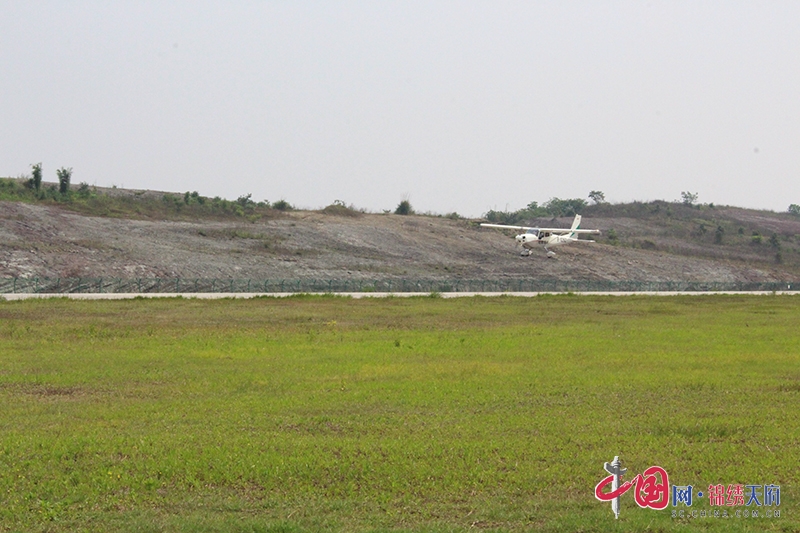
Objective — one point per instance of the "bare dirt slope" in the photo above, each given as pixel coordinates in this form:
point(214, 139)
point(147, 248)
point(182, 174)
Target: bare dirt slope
point(39, 240)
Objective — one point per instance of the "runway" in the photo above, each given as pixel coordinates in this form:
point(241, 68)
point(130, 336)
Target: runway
point(357, 295)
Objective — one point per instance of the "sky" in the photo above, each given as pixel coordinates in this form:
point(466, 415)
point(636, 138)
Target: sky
point(458, 106)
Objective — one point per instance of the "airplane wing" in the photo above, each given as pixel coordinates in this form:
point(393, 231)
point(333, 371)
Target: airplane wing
point(503, 226)
point(593, 231)
point(551, 230)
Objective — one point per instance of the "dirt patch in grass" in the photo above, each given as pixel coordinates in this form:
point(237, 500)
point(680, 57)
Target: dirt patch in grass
point(46, 391)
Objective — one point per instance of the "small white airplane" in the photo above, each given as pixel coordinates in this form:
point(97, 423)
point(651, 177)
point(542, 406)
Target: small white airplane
point(546, 236)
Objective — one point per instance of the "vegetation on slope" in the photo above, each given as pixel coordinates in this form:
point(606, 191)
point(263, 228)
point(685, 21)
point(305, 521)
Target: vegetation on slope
point(114, 202)
point(681, 227)
point(717, 232)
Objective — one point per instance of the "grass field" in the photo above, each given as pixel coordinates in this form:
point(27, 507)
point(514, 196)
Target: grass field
point(420, 414)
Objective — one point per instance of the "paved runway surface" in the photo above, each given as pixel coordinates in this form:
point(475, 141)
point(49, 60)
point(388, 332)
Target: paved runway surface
point(220, 295)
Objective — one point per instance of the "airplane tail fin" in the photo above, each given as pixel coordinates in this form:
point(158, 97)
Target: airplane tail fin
point(575, 224)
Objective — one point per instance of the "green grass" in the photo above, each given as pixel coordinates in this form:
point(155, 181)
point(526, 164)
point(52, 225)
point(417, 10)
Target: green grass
point(421, 414)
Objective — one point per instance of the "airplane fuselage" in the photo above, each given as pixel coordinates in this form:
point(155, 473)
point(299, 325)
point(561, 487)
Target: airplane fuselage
point(529, 240)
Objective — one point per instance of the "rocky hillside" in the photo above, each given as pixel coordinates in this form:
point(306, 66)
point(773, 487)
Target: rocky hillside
point(155, 235)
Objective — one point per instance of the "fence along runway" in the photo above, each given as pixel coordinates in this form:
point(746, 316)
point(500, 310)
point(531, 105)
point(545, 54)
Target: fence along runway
point(248, 286)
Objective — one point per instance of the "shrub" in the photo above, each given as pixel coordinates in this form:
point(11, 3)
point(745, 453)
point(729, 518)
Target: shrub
point(404, 208)
point(84, 191)
point(503, 217)
point(338, 208)
point(282, 205)
point(718, 235)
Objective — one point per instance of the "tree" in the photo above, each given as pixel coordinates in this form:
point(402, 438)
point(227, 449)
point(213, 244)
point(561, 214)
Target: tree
point(688, 198)
point(36, 172)
point(565, 208)
point(597, 197)
point(244, 200)
point(64, 176)
point(794, 209)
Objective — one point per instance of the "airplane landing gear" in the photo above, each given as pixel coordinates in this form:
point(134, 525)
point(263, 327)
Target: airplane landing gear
point(550, 255)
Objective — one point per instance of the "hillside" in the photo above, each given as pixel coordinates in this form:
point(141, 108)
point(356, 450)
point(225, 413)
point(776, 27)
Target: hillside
point(132, 234)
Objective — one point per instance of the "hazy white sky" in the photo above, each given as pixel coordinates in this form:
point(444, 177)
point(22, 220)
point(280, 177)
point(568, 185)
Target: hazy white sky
point(459, 106)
